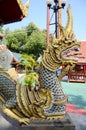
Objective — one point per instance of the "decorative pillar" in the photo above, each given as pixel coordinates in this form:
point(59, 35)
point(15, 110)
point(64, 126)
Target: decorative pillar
point(48, 26)
point(59, 18)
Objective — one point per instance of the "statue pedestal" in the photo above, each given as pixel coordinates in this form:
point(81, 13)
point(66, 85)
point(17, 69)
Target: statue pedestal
point(60, 124)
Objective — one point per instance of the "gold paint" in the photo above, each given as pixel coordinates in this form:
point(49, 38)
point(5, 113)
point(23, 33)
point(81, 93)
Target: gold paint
point(24, 8)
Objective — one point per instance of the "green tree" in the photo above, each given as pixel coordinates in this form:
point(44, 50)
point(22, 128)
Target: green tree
point(15, 40)
point(32, 27)
point(36, 43)
point(30, 40)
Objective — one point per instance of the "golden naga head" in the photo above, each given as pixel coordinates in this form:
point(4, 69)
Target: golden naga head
point(67, 40)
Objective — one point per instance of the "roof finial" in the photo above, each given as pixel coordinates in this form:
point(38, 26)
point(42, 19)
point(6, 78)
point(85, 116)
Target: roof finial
point(26, 5)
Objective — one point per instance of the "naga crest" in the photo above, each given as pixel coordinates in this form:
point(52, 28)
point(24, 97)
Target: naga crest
point(57, 53)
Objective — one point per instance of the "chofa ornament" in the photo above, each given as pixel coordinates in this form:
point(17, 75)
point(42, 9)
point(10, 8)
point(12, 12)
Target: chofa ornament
point(49, 100)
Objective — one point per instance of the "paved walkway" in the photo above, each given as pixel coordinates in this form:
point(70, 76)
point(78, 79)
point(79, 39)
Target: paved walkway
point(79, 121)
point(6, 123)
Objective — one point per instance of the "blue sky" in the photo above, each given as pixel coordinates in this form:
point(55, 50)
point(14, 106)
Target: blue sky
point(37, 14)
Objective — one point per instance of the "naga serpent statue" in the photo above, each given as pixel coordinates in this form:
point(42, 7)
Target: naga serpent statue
point(49, 101)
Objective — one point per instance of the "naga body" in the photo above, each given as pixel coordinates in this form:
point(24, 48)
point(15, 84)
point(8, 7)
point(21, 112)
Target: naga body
point(49, 101)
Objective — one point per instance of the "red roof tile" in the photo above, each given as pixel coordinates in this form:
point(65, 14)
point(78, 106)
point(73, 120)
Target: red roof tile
point(83, 48)
point(82, 58)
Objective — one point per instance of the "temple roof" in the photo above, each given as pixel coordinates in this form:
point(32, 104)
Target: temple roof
point(82, 59)
point(12, 11)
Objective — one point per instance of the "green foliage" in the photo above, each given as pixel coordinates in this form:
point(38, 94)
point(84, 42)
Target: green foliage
point(28, 61)
point(31, 77)
point(31, 28)
point(36, 43)
point(27, 41)
point(30, 40)
point(1, 32)
point(16, 40)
